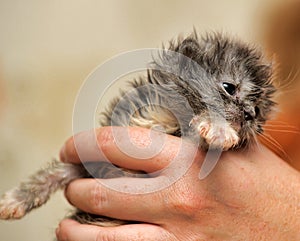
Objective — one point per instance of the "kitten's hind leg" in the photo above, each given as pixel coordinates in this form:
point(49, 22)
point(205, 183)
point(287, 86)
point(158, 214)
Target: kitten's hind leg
point(38, 188)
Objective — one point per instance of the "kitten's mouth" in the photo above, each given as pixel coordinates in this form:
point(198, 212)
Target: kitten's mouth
point(236, 126)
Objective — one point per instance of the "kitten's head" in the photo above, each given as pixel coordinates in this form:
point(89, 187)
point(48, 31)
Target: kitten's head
point(233, 73)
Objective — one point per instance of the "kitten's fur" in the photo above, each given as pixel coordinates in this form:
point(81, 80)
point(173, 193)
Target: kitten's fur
point(213, 64)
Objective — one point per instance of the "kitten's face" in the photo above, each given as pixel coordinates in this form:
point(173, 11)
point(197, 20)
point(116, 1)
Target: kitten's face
point(243, 81)
point(233, 120)
point(246, 107)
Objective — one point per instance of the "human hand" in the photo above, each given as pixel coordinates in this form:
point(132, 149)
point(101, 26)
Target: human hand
point(250, 195)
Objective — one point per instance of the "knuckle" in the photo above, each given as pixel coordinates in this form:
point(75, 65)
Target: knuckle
point(106, 236)
point(186, 203)
point(104, 136)
point(105, 140)
point(99, 198)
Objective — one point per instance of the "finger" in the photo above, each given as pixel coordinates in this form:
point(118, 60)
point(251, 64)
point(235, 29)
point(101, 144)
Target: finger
point(100, 197)
point(130, 147)
point(70, 230)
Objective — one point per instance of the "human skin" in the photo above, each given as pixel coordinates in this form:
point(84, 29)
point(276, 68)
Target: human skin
point(249, 195)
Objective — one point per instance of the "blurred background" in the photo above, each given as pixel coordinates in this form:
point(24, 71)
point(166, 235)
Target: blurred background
point(47, 49)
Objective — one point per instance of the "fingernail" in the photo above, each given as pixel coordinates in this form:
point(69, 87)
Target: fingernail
point(62, 153)
point(57, 232)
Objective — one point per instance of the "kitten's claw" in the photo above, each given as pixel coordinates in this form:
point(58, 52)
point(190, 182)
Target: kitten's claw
point(218, 135)
point(10, 207)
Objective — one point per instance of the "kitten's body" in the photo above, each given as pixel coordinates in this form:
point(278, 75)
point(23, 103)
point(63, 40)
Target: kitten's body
point(176, 83)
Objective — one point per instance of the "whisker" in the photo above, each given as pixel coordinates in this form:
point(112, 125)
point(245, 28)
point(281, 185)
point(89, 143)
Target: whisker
point(279, 149)
point(281, 130)
point(277, 121)
point(279, 125)
point(287, 91)
point(288, 81)
point(256, 141)
point(271, 140)
point(290, 127)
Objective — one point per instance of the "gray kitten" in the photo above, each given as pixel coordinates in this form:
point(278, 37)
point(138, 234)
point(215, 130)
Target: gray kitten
point(213, 76)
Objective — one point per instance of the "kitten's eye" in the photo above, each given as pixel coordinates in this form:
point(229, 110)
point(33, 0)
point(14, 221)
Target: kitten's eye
point(229, 88)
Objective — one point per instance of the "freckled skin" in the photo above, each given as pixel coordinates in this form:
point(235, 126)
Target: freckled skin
point(207, 70)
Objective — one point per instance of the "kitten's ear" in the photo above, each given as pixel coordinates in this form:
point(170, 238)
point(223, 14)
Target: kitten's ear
point(189, 47)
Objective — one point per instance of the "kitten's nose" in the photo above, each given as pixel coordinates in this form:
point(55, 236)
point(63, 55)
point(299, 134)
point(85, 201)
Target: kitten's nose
point(249, 113)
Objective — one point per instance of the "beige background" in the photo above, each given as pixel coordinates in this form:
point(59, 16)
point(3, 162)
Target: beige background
point(47, 48)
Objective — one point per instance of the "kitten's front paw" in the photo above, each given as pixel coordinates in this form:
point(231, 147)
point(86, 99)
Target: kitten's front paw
point(10, 207)
point(218, 135)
